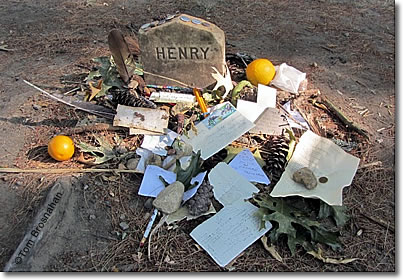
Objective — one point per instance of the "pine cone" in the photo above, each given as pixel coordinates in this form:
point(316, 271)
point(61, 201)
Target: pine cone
point(129, 99)
point(201, 201)
point(277, 150)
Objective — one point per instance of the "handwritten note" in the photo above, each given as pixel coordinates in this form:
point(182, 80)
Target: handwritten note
point(246, 165)
point(211, 139)
point(229, 185)
point(157, 143)
point(172, 97)
point(270, 122)
point(229, 232)
point(326, 160)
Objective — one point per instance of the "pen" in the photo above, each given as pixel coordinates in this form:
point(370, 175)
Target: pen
point(200, 100)
point(148, 228)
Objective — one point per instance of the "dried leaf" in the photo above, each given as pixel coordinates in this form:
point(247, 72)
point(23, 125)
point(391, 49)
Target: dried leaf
point(223, 81)
point(271, 249)
point(319, 256)
point(291, 145)
point(103, 153)
point(94, 89)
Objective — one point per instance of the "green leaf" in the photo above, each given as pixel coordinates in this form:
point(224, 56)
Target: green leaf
point(237, 89)
point(292, 217)
point(186, 175)
point(338, 213)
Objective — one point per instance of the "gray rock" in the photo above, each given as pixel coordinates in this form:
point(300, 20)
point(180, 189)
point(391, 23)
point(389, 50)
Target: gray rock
point(306, 177)
point(169, 199)
point(124, 226)
point(173, 48)
point(149, 203)
point(92, 217)
point(132, 163)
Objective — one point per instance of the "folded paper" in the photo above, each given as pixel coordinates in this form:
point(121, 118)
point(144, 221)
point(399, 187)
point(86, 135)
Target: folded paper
point(332, 166)
point(223, 125)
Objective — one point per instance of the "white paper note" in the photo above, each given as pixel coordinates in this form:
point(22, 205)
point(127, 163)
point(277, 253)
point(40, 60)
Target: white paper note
point(157, 143)
point(224, 125)
point(229, 232)
point(246, 165)
point(172, 97)
point(297, 116)
point(144, 156)
point(190, 193)
point(326, 160)
point(229, 185)
point(151, 185)
point(266, 98)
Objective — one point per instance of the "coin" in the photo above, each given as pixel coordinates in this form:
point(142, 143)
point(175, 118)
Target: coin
point(196, 21)
point(185, 18)
point(206, 24)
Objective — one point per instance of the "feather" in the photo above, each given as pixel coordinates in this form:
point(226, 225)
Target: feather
point(120, 52)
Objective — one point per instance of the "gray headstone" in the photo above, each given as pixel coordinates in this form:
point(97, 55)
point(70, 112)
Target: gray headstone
point(184, 49)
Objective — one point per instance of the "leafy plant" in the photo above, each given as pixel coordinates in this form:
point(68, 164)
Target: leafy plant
point(186, 175)
point(301, 221)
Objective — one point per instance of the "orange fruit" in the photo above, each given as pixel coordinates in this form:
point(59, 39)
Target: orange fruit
point(260, 71)
point(61, 147)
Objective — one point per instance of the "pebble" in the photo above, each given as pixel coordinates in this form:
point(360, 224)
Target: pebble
point(86, 187)
point(92, 217)
point(132, 163)
point(122, 217)
point(306, 177)
point(36, 107)
point(124, 226)
point(121, 149)
point(149, 203)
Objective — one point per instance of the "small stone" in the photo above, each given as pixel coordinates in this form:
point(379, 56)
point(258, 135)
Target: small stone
point(122, 217)
point(132, 163)
point(169, 199)
point(121, 166)
point(92, 217)
point(121, 149)
point(149, 203)
point(86, 187)
point(36, 107)
point(306, 177)
point(314, 64)
point(124, 226)
point(359, 232)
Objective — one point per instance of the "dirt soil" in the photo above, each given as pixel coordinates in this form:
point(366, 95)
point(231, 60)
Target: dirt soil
point(347, 49)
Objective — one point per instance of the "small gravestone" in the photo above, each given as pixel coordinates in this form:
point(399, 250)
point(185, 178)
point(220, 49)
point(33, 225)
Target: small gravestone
point(182, 48)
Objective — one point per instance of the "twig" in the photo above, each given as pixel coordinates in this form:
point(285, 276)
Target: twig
point(94, 127)
point(375, 163)
point(345, 120)
point(65, 170)
point(95, 112)
point(379, 222)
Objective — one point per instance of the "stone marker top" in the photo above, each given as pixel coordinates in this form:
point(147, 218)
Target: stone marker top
point(184, 48)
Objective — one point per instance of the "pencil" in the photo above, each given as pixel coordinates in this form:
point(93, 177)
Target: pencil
point(200, 100)
point(148, 228)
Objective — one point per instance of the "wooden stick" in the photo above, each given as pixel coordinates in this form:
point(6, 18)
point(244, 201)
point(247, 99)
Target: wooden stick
point(65, 170)
point(345, 120)
point(94, 127)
